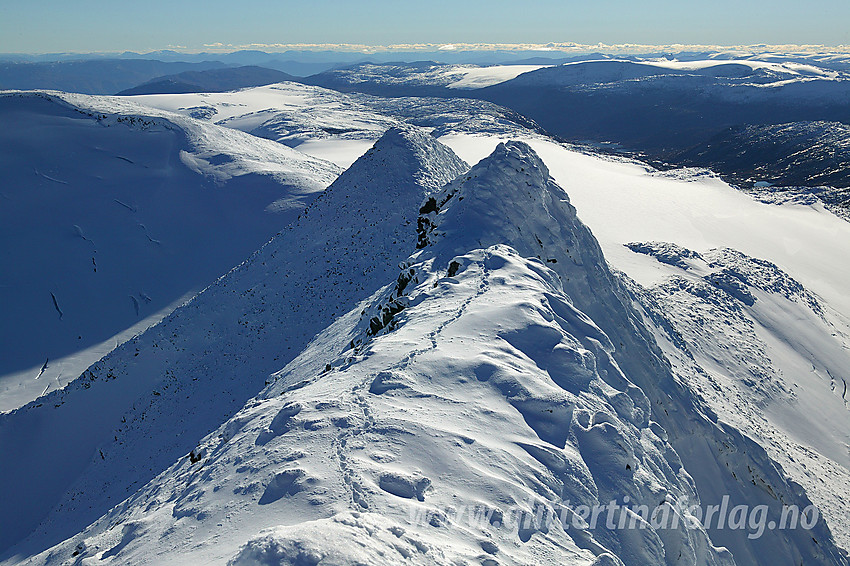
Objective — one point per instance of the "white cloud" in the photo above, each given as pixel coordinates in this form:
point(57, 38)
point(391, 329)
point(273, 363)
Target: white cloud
point(565, 47)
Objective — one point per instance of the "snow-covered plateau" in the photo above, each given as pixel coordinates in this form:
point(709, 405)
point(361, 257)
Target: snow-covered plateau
point(289, 325)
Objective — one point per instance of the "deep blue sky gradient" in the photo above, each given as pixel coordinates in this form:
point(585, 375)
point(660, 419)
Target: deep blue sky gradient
point(39, 26)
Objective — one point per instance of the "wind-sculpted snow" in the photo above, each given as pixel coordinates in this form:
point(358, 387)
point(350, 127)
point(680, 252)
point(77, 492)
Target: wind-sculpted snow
point(148, 402)
point(463, 404)
point(545, 226)
point(112, 214)
point(498, 404)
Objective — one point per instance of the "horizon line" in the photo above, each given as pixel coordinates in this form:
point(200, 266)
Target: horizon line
point(219, 48)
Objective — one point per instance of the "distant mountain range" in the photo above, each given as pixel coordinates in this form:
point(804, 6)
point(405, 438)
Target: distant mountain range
point(212, 80)
point(96, 76)
point(781, 121)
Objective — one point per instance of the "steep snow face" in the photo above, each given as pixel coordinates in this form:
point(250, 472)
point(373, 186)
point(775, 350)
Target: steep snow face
point(148, 402)
point(623, 202)
point(774, 362)
point(512, 200)
point(111, 215)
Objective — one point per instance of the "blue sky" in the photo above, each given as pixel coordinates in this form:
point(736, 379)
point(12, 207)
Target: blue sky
point(38, 26)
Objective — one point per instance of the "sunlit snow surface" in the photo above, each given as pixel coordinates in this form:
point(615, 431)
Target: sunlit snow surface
point(480, 77)
point(624, 201)
point(764, 346)
point(806, 406)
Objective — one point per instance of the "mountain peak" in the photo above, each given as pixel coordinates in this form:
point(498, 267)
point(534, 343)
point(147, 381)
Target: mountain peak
point(249, 323)
point(406, 152)
point(519, 154)
point(508, 197)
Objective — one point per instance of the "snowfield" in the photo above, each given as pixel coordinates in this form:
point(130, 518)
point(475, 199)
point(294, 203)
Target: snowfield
point(113, 214)
point(480, 77)
point(331, 125)
point(473, 333)
point(725, 65)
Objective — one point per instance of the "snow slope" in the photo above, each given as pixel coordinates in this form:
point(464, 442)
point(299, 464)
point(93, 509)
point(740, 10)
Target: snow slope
point(773, 360)
point(113, 214)
point(625, 202)
point(151, 399)
point(333, 125)
point(502, 366)
point(352, 453)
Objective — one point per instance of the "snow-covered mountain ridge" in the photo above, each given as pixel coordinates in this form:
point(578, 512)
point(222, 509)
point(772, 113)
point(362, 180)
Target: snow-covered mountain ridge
point(278, 300)
point(515, 373)
point(121, 176)
point(576, 257)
